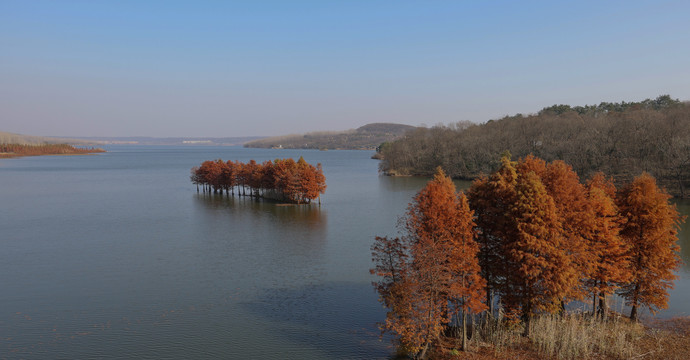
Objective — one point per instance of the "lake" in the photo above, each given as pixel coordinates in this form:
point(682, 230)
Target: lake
point(116, 255)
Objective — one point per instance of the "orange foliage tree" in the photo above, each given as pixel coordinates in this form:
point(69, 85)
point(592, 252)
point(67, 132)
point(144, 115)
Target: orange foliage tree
point(439, 275)
point(577, 221)
point(531, 233)
point(283, 179)
point(606, 247)
point(527, 255)
point(651, 234)
point(491, 199)
point(540, 271)
point(17, 150)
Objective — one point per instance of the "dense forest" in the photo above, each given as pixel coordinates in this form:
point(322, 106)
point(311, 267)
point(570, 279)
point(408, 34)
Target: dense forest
point(16, 150)
point(620, 139)
point(518, 246)
point(366, 137)
point(282, 179)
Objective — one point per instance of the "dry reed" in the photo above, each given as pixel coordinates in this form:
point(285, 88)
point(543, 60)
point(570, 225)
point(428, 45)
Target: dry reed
point(575, 335)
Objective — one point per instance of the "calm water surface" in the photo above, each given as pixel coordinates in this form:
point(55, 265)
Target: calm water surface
point(117, 256)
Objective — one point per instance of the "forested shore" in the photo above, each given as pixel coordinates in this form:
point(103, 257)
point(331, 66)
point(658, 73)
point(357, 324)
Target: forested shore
point(282, 179)
point(517, 247)
point(365, 137)
point(620, 139)
point(18, 150)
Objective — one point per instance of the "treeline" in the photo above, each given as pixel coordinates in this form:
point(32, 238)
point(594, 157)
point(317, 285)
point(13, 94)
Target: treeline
point(17, 150)
point(620, 139)
point(366, 137)
point(11, 138)
point(530, 237)
point(281, 179)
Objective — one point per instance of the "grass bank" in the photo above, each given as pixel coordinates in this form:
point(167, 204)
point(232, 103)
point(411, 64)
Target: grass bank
point(573, 336)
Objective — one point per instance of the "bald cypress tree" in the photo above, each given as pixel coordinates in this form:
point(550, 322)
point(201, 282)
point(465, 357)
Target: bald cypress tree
point(440, 277)
point(651, 233)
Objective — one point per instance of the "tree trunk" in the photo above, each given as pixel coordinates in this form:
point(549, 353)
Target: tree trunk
point(490, 302)
point(603, 307)
point(633, 313)
point(463, 347)
point(526, 317)
point(680, 185)
point(422, 353)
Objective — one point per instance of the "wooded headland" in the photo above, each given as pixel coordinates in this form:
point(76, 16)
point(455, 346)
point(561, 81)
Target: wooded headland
point(11, 138)
point(366, 137)
point(16, 150)
point(621, 139)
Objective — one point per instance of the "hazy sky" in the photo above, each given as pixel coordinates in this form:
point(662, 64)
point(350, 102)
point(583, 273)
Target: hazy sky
point(236, 68)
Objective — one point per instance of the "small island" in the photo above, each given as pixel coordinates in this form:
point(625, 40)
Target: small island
point(282, 179)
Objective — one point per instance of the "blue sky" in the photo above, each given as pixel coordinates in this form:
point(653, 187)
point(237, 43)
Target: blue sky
point(231, 68)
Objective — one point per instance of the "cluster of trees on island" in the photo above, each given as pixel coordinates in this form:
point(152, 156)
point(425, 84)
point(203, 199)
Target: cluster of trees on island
point(620, 139)
point(281, 179)
point(17, 150)
point(530, 237)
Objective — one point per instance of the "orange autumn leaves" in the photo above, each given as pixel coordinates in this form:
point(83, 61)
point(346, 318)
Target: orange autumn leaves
point(17, 150)
point(651, 232)
point(281, 179)
point(532, 235)
point(431, 274)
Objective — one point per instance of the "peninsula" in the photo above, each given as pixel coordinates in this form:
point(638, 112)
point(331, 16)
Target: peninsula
point(367, 137)
point(15, 145)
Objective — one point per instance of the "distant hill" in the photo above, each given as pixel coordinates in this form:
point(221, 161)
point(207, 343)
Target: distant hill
point(140, 140)
point(367, 137)
point(10, 138)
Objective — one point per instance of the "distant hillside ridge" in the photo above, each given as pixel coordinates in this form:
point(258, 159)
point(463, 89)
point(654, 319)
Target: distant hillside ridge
point(11, 138)
point(367, 137)
point(620, 139)
point(176, 141)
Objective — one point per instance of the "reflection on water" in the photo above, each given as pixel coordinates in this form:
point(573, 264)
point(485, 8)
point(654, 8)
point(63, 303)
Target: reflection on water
point(306, 215)
point(684, 233)
point(412, 183)
point(401, 183)
point(257, 241)
point(328, 317)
